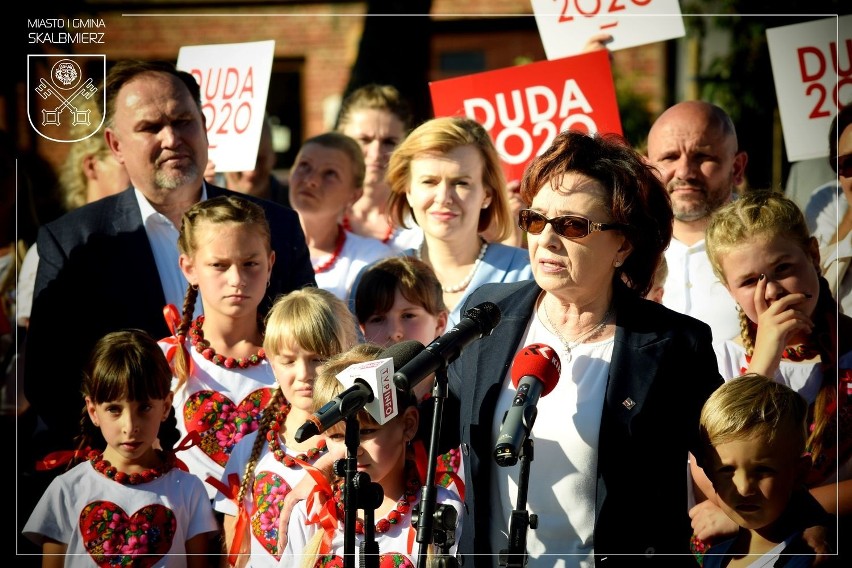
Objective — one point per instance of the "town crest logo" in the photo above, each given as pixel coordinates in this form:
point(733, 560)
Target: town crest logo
point(65, 94)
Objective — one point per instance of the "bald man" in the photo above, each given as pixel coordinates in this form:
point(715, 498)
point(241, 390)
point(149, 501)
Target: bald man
point(694, 146)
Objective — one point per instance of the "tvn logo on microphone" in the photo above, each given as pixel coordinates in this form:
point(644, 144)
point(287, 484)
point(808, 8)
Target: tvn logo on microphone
point(378, 375)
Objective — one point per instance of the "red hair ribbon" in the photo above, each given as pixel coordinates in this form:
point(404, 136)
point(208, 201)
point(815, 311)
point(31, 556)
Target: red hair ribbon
point(61, 457)
point(172, 317)
point(231, 491)
point(421, 458)
point(321, 508)
point(193, 438)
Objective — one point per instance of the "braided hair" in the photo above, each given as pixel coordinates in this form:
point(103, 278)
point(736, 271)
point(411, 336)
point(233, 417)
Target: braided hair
point(317, 321)
point(125, 365)
point(218, 210)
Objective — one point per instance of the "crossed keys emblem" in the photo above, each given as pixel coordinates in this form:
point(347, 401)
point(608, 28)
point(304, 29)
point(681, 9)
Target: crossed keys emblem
point(86, 90)
point(61, 94)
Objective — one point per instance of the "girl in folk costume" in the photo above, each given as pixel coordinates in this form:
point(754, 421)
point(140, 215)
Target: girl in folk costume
point(761, 250)
point(126, 503)
point(325, 180)
point(222, 378)
point(303, 329)
point(399, 299)
point(315, 536)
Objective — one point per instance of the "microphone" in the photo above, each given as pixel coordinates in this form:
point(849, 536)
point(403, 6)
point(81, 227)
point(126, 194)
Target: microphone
point(535, 372)
point(369, 386)
point(477, 321)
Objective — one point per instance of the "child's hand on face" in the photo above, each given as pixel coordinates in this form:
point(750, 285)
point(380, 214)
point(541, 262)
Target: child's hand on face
point(777, 324)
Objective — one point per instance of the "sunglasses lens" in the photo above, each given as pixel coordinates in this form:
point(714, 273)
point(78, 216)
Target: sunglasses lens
point(532, 222)
point(571, 227)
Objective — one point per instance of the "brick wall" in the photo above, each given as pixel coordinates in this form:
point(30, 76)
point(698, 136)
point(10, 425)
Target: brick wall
point(321, 40)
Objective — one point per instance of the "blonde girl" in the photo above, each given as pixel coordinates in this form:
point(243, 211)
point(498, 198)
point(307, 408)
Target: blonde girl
point(126, 503)
point(325, 180)
point(761, 250)
point(315, 537)
point(303, 329)
point(222, 380)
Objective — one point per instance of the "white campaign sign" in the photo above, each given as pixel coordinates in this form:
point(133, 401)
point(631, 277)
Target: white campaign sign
point(234, 81)
point(812, 67)
point(566, 25)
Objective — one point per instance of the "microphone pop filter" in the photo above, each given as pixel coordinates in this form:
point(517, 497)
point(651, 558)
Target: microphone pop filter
point(540, 361)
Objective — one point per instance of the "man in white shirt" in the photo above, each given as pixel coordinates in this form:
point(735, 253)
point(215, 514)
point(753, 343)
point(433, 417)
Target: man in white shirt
point(694, 146)
point(112, 264)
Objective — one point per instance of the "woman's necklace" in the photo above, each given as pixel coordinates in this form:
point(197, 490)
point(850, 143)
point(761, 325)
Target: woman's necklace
point(569, 345)
point(461, 286)
point(196, 336)
point(403, 506)
point(338, 247)
point(275, 444)
point(106, 469)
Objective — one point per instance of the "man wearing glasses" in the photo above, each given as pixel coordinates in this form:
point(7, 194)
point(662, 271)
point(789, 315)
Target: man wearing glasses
point(694, 146)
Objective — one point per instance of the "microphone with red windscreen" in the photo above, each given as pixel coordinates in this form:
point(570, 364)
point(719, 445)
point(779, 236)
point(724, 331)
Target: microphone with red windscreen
point(535, 372)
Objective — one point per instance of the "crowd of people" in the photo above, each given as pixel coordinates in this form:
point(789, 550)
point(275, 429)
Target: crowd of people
point(182, 333)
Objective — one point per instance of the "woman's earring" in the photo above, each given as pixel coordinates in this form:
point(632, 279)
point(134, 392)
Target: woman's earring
point(617, 263)
point(194, 287)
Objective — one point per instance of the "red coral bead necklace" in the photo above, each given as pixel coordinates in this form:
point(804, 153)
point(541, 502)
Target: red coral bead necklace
point(403, 506)
point(106, 469)
point(279, 453)
point(338, 248)
point(196, 337)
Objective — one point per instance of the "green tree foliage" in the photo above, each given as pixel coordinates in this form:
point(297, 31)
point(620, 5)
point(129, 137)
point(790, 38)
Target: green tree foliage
point(741, 80)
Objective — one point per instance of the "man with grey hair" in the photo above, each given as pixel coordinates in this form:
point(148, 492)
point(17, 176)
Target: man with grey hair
point(694, 146)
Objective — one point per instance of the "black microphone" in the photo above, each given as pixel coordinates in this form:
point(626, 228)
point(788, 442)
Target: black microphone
point(477, 321)
point(535, 372)
point(371, 379)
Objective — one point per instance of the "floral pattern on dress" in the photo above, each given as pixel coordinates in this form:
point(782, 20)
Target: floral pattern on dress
point(447, 464)
point(269, 491)
point(220, 423)
point(392, 560)
point(114, 538)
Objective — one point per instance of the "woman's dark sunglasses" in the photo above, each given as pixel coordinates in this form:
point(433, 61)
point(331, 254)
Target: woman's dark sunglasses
point(568, 226)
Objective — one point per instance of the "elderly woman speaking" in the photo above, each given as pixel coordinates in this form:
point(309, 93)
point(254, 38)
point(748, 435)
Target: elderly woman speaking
point(609, 478)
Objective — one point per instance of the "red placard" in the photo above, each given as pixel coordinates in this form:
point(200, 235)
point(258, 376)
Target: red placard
point(523, 108)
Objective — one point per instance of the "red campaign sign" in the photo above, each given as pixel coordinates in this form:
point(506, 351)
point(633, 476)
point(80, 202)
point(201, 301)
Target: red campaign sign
point(523, 108)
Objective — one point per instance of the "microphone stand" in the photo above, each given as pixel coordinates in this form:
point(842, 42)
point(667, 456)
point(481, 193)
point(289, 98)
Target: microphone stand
point(425, 515)
point(516, 555)
point(370, 496)
point(357, 491)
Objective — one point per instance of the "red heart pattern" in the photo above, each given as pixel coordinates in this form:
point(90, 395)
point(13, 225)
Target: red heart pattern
point(269, 491)
point(112, 538)
point(220, 423)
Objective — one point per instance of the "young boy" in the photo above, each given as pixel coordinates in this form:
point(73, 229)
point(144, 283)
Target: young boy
point(754, 433)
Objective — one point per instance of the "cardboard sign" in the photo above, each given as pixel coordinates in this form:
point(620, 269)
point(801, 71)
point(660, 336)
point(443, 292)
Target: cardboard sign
point(566, 25)
point(234, 81)
point(523, 108)
point(812, 67)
